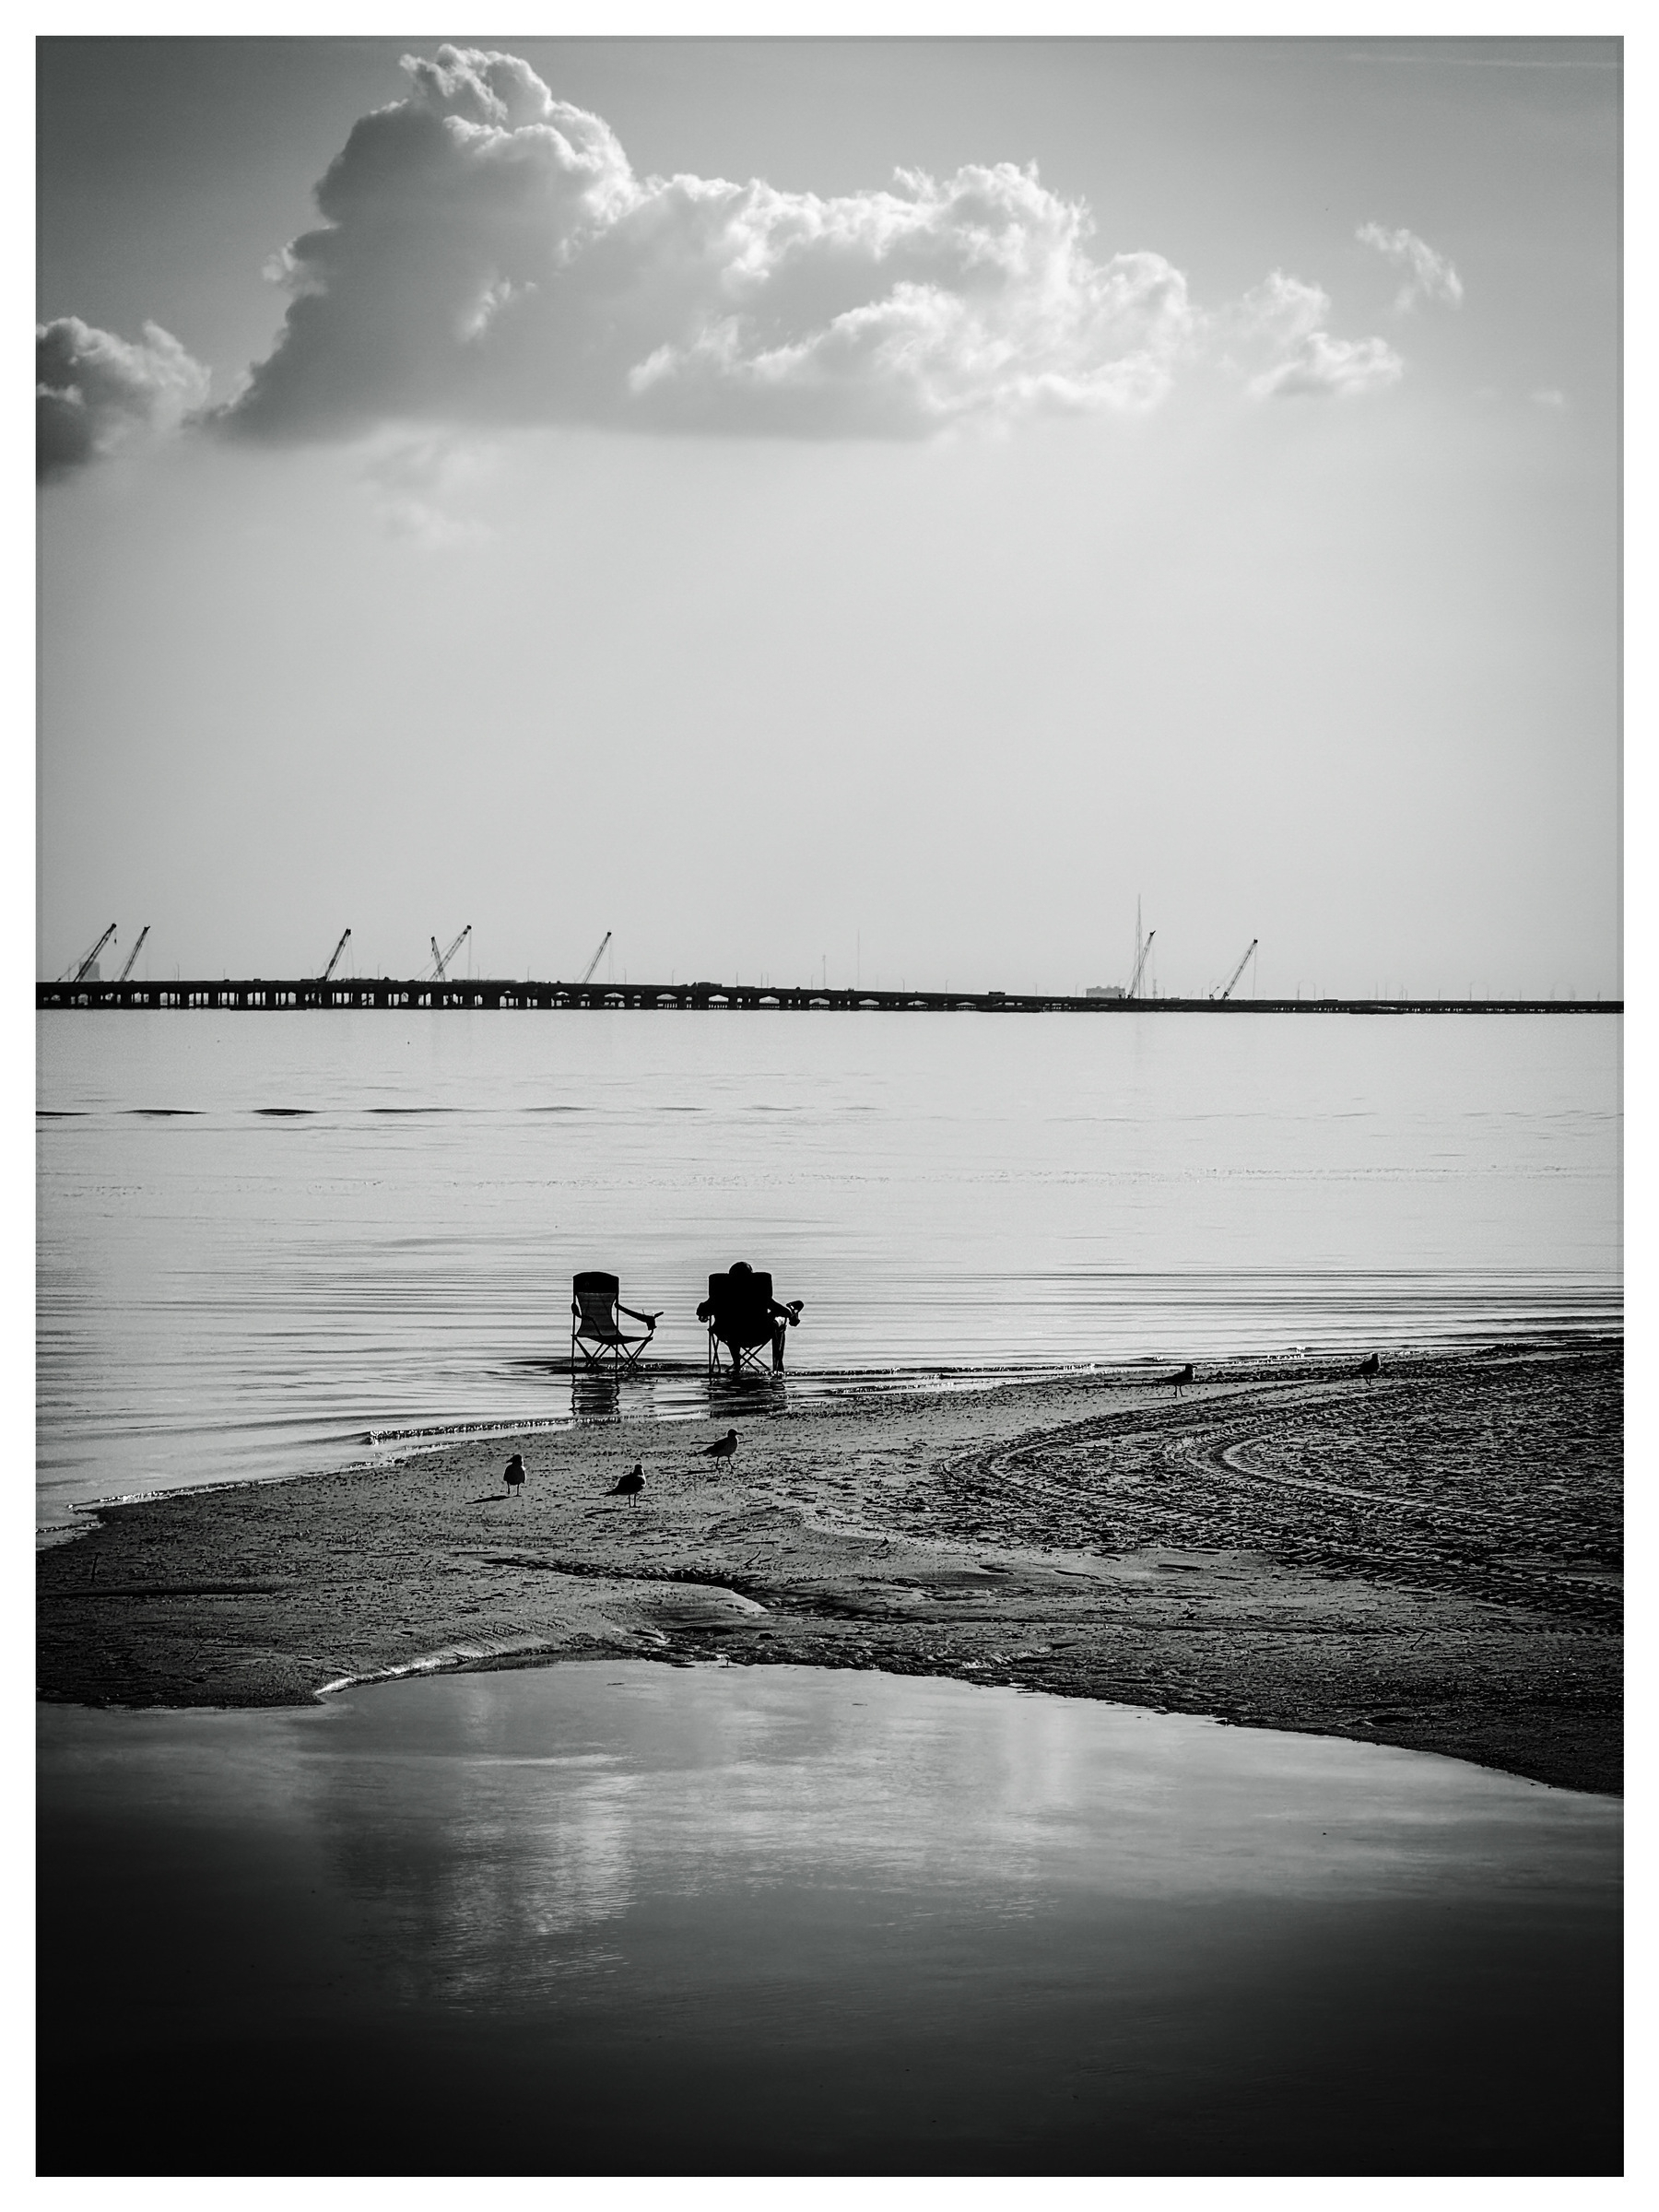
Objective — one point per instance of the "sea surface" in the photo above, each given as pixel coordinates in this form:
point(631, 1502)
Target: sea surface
point(620, 1918)
point(264, 1238)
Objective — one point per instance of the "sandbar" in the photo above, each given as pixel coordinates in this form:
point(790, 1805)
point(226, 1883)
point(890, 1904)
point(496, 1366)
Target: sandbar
point(1432, 1560)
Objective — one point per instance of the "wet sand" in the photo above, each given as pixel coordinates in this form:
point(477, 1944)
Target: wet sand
point(1432, 1560)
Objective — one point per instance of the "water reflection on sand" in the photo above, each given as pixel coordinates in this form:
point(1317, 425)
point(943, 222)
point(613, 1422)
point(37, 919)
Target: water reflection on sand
point(777, 1920)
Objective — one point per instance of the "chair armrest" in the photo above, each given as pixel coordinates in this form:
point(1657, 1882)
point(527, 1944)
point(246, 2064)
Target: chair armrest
point(650, 1320)
point(705, 1312)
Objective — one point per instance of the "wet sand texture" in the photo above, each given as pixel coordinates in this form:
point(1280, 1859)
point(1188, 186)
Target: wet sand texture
point(1432, 1560)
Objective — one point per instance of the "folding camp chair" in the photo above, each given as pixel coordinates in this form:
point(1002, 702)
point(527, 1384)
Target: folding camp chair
point(742, 1315)
point(596, 1330)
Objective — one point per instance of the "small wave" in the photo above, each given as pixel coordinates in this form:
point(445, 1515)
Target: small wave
point(286, 1113)
point(60, 1113)
point(445, 1428)
point(413, 1109)
point(164, 1114)
point(452, 1656)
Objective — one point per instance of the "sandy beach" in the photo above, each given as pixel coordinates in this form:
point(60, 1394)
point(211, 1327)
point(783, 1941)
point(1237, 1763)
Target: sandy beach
point(1432, 1560)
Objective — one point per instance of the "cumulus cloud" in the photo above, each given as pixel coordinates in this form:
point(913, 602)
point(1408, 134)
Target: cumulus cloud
point(93, 391)
point(487, 254)
point(1429, 274)
point(1281, 327)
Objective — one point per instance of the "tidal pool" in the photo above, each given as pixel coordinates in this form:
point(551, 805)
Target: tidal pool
point(623, 1918)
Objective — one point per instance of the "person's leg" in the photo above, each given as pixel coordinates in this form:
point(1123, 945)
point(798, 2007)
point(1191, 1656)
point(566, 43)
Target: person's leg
point(780, 1330)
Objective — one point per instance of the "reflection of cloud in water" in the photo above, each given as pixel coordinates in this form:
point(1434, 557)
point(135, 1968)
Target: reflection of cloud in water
point(493, 1834)
point(867, 1889)
point(477, 1888)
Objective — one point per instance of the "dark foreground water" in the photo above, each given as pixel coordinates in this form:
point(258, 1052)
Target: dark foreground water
point(629, 1919)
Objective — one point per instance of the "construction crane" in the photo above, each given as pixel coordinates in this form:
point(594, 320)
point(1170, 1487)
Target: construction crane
point(79, 975)
point(334, 957)
point(133, 955)
point(587, 971)
point(1140, 965)
point(1226, 989)
point(440, 961)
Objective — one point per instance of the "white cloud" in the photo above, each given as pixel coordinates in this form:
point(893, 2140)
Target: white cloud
point(487, 255)
point(1322, 365)
point(1550, 397)
point(1284, 320)
point(94, 390)
point(1430, 276)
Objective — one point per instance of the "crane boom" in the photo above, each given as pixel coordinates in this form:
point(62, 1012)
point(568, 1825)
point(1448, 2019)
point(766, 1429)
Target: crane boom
point(133, 955)
point(80, 971)
point(440, 961)
point(334, 957)
point(587, 971)
point(1141, 964)
point(1226, 990)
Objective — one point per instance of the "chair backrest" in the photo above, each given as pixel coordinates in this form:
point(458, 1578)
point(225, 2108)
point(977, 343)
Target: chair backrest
point(734, 1299)
point(595, 1296)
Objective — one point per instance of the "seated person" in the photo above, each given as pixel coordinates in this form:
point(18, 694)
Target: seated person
point(743, 1313)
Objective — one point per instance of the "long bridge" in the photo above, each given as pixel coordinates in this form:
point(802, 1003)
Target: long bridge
point(255, 995)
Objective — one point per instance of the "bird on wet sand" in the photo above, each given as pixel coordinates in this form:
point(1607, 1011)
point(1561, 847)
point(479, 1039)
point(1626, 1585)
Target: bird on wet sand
point(629, 1486)
point(1370, 1366)
point(722, 1447)
point(512, 1475)
point(1175, 1381)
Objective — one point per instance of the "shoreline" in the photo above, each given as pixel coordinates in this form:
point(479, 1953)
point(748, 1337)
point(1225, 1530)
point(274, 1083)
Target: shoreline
point(815, 1386)
point(1431, 1561)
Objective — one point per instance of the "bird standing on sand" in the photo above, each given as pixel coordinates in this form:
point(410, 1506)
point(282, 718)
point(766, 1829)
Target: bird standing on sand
point(1185, 1376)
point(722, 1447)
point(512, 1475)
point(629, 1486)
point(1370, 1366)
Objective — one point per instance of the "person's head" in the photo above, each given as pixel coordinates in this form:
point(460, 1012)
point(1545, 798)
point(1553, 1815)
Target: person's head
point(736, 1272)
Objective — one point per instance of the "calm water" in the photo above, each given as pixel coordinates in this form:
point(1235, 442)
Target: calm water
point(261, 1237)
point(626, 1918)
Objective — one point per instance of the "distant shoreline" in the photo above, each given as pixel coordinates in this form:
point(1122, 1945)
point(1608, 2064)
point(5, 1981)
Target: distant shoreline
point(1432, 1560)
point(411, 995)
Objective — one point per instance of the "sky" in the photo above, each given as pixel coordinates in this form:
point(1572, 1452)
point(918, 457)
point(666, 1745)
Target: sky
point(870, 509)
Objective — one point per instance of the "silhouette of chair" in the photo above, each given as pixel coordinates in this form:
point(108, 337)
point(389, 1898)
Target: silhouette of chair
point(596, 1316)
point(742, 1314)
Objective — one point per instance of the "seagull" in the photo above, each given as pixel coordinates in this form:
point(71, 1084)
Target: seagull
point(629, 1486)
point(722, 1447)
point(1185, 1375)
point(513, 1474)
point(1370, 1366)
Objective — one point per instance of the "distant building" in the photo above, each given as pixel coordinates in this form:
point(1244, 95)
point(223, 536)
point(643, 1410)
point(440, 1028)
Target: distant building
point(1105, 991)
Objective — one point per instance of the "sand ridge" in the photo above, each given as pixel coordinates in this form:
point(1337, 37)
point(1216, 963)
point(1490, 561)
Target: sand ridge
point(1434, 1560)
